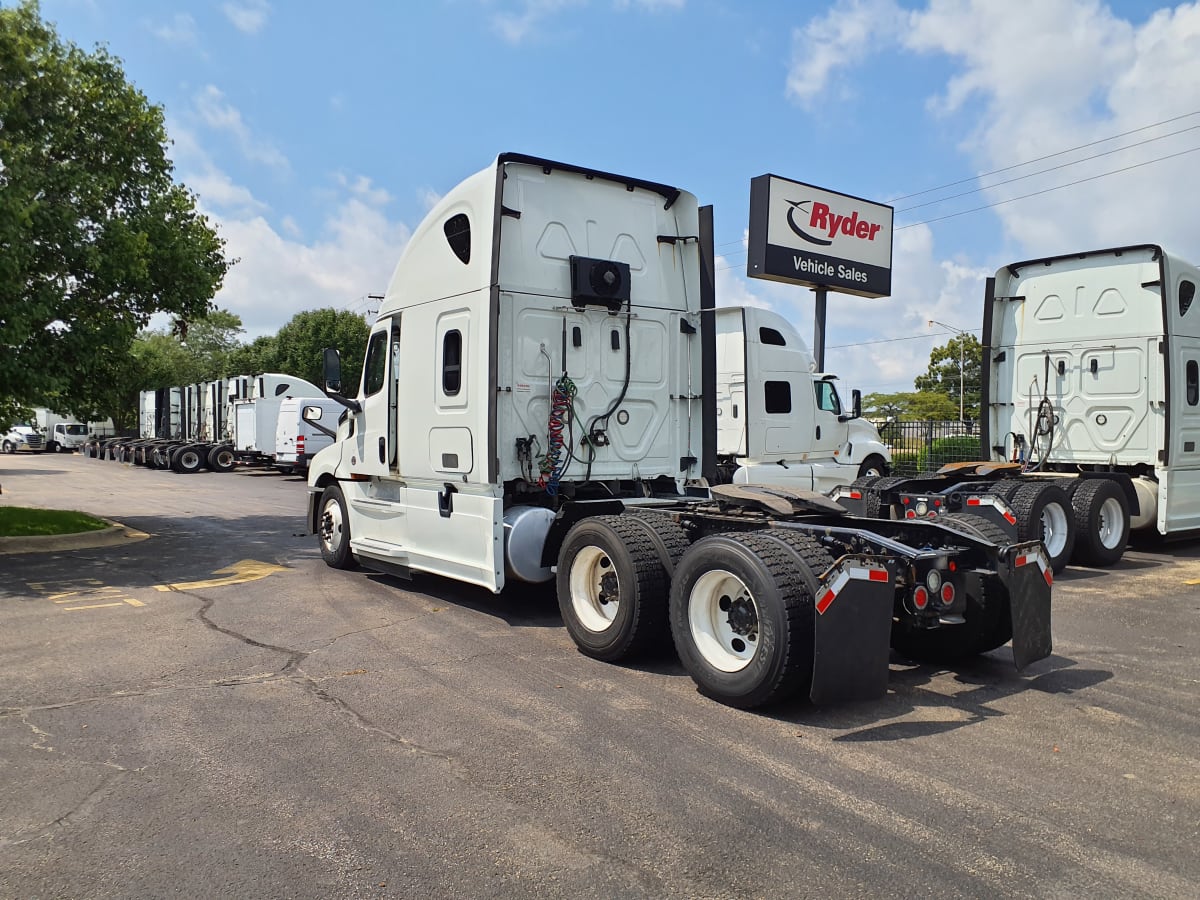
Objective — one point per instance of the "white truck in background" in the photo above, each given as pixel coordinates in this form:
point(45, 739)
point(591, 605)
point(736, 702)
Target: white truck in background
point(305, 426)
point(22, 436)
point(786, 424)
point(61, 434)
point(1091, 399)
point(538, 401)
point(215, 424)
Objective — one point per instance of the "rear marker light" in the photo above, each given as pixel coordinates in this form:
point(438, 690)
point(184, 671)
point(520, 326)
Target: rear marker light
point(910, 514)
point(947, 593)
point(920, 598)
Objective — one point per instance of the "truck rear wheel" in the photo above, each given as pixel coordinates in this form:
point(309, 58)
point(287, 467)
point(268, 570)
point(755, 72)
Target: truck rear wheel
point(220, 459)
point(976, 526)
point(1101, 513)
point(1043, 512)
point(333, 527)
point(188, 460)
point(612, 588)
point(741, 617)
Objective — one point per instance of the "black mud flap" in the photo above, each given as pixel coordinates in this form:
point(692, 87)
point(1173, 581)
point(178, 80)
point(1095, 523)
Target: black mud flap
point(852, 628)
point(1025, 572)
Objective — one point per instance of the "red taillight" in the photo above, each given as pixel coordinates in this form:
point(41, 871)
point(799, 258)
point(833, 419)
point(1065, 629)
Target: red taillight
point(947, 593)
point(920, 597)
point(911, 514)
point(905, 501)
point(300, 443)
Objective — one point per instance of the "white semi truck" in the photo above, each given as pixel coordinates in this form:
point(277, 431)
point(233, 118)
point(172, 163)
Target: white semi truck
point(1091, 377)
point(785, 423)
point(538, 401)
point(214, 424)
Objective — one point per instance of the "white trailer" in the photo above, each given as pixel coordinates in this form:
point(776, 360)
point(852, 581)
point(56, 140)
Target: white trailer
point(538, 401)
point(786, 423)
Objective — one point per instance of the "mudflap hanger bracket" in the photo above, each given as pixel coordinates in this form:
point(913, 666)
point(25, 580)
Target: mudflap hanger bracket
point(1024, 570)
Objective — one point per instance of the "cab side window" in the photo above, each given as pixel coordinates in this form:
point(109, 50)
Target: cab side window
point(827, 398)
point(375, 367)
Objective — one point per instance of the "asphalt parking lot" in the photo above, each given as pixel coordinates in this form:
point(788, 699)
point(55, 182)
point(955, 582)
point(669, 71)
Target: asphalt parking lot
point(205, 709)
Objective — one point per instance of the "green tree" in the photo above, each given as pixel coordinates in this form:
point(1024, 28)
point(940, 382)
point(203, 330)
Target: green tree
point(254, 358)
point(299, 343)
point(910, 405)
point(95, 235)
point(955, 366)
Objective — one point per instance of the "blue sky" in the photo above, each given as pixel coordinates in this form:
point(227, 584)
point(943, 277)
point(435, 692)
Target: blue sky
point(317, 135)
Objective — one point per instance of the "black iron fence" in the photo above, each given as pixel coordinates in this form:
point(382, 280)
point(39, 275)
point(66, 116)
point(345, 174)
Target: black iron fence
point(926, 446)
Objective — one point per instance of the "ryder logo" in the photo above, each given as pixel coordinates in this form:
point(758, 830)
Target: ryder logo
point(821, 219)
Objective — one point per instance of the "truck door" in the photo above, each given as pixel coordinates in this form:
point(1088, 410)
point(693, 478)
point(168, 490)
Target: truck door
point(375, 425)
point(828, 434)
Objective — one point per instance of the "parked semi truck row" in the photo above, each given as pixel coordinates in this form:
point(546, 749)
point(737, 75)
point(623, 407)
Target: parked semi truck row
point(539, 402)
point(221, 424)
point(1092, 408)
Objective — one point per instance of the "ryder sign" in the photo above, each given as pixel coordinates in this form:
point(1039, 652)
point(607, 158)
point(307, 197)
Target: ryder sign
point(806, 235)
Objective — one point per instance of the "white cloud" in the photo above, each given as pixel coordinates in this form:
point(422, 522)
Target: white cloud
point(217, 113)
point(838, 39)
point(248, 16)
point(180, 31)
point(280, 272)
point(1029, 78)
point(1084, 75)
point(280, 275)
point(428, 198)
point(524, 24)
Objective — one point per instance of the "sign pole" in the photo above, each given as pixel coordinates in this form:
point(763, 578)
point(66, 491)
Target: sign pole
point(819, 328)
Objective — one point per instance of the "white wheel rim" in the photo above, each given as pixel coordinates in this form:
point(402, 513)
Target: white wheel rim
point(331, 526)
point(191, 460)
point(1111, 527)
point(1054, 528)
point(595, 589)
point(718, 597)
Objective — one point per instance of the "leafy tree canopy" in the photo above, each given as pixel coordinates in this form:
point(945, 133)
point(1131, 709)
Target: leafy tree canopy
point(299, 343)
point(95, 235)
point(962, 353)
point(911, 405)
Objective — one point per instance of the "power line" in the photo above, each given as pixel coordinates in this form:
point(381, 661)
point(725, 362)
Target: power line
point(1049, 156)
point(1065, 165)
point(1049, 189)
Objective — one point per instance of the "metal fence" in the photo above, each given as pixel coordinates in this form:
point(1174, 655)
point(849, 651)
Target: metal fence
point(925, 446)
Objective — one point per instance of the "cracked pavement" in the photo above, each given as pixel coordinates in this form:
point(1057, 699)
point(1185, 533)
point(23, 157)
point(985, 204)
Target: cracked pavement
point(317, 733)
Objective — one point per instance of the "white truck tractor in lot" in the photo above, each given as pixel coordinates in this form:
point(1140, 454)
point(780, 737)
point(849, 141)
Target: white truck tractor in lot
point(538, 401)
point(1091, 403)
point(786, 424)
point(22, 436)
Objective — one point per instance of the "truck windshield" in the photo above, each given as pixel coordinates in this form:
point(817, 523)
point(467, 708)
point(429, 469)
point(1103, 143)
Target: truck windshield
point(75, 428)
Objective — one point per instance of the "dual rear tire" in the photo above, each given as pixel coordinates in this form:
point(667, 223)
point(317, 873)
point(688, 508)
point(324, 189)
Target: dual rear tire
point(739, 609)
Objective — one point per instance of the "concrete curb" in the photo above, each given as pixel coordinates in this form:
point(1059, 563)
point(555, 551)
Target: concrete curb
point(112, 536)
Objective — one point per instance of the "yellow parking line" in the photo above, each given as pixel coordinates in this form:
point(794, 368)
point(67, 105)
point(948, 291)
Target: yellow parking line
point(239, 573)
point(93, 606)
point(133, 602)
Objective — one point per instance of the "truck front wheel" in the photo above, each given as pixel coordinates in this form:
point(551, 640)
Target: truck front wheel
point(872, 466)
point(742, 618)
point(333, 525)
point(612, 588)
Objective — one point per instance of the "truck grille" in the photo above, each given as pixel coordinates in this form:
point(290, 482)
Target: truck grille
point(34, 441)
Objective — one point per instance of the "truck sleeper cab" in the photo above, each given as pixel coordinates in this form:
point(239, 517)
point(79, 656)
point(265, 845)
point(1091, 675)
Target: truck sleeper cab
point(533, 406)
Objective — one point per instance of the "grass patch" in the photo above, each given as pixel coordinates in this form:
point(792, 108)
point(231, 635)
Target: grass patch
point(17, 521)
